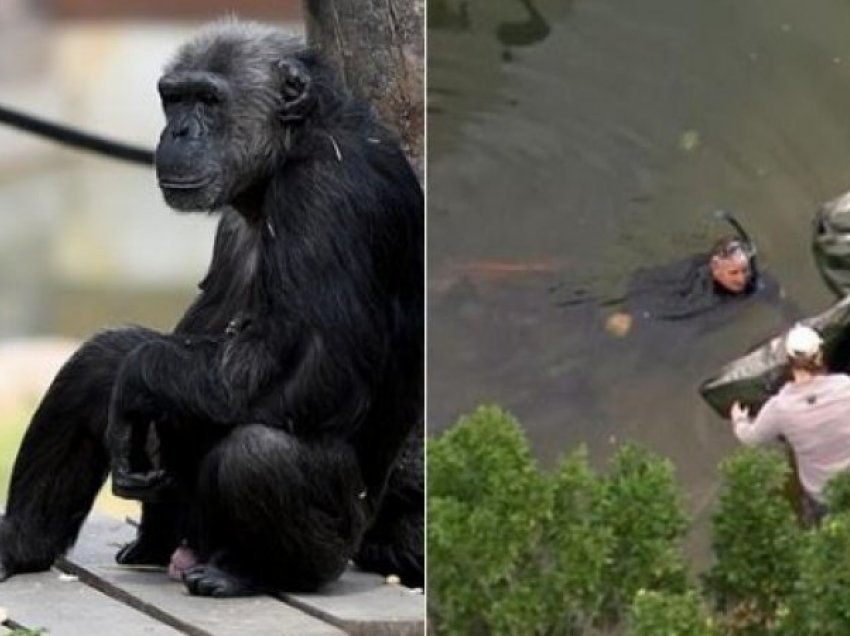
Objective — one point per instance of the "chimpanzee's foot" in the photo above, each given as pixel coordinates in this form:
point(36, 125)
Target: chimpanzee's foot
point(5, 569)
point(18, 555)
point(142, 551)
point(209, 580)
point(385, 559)
point(184, 558)
point(10, 566)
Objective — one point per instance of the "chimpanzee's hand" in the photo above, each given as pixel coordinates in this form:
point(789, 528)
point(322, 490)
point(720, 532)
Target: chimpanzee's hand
point(147, 486)
point(134, 473)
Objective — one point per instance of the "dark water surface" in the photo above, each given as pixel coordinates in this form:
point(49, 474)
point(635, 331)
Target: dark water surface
point(571, 142)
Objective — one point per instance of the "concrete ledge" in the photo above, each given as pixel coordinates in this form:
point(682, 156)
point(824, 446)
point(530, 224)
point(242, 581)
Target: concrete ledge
point(362, 604)
point(88, 593)
point(64, 605)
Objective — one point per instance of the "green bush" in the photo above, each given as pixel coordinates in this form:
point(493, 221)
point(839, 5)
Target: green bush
point(819, 605)
point(837, 493)
point(642, 508)
point(666, 614)
point(487, 510)
point(577, 548)
point(514, 551)
point(756, 542)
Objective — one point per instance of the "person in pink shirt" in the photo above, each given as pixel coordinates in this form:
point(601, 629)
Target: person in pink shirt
point(811, 412)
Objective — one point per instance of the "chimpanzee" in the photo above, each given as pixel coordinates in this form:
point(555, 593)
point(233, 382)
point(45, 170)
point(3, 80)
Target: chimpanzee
point(262, 434)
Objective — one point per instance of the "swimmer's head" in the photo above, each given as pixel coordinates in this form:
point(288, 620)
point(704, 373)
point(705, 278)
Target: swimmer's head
point(730, 265)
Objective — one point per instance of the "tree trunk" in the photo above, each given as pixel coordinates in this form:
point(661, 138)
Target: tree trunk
point(378, 47)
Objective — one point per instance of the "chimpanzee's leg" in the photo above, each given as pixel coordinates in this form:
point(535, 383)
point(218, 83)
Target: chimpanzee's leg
point(173, 519)
point(158, 535)
point(395, 542)
point(278, 513)
point(63, 460)
point(175, 380)
point(164, 383)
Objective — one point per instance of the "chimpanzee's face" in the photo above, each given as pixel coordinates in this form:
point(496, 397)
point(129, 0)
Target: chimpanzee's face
point(191, 162)
point(225, 130)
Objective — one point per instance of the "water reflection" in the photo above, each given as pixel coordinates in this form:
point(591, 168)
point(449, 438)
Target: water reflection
point(524, 33)
point(531, 28)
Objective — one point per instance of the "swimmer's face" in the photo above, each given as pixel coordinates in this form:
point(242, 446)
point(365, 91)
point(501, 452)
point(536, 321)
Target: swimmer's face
point(732, 274)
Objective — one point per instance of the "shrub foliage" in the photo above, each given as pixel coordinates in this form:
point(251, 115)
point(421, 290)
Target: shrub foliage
point(513, 549)
point(665, 614)
point(756, 543)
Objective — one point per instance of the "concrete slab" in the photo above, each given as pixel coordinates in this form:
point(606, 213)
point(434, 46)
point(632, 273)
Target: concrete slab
point(360, 603)
point(150, 591)
point(363, 604)
point(71, 608)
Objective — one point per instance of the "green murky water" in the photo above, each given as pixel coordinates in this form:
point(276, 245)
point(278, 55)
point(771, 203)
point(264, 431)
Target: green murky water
point(571, 142)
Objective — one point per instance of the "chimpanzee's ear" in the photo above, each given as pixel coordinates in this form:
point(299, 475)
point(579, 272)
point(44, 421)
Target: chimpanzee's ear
point(296, 89)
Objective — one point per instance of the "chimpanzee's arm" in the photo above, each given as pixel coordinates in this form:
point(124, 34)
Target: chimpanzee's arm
point(180, 380)
point(208, 378)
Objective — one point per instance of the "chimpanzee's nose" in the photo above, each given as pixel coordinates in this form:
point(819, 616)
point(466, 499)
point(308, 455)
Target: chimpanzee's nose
point(188, 128)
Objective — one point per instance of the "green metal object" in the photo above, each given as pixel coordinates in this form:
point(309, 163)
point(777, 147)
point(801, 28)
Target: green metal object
point(831, 244)
point(756, 376)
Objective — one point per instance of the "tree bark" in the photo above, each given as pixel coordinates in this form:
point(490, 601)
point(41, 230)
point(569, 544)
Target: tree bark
point(378, 47)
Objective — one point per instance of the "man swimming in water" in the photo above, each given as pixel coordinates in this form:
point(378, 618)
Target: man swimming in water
point(690, 287)
point(694, 285)
point(693, 291)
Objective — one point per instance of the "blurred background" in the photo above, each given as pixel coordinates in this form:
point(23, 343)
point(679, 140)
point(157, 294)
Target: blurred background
point(86, 242)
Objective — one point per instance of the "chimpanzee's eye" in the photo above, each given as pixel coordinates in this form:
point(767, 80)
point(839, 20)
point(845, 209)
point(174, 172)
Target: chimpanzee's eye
point(169, 99)
point(209, 98)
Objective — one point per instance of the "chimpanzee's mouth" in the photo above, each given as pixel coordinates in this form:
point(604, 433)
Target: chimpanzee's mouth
point(184, 184)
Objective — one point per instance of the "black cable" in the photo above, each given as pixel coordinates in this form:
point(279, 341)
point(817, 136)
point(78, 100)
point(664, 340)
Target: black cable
point(75, 138)
point(731, 220)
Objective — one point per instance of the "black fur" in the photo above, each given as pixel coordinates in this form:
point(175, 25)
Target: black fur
point(282, 403)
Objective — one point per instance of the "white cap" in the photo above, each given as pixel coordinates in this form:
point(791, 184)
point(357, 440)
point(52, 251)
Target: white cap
point(802, 342)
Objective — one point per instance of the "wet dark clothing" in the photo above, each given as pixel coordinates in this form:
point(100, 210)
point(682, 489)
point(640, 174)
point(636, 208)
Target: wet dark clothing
point(684, 289)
